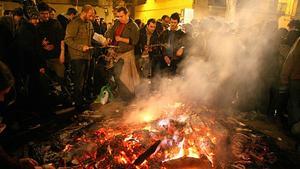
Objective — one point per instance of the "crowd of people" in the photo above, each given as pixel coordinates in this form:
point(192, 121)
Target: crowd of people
point(39, 49)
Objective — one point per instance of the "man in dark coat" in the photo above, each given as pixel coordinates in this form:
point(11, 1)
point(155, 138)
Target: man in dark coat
point(8, 27)
point(29, 64)
point(148, 50)
point(65, 19)
point(174, 38)
point(51, 40)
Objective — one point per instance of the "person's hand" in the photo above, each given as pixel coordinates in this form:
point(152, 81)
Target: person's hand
point(118, 38)
point(2, 127)
point(180, 51)
point(146, 48)
point(85, 48)
point(45, 42)
point(62, 58)
point(42, 70)
point(48, 47)
point(28, 163)
point(167, 60)
point(47, 166)
point(108, 41)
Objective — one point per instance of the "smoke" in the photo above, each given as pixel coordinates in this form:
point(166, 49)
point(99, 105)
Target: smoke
point(226, 65)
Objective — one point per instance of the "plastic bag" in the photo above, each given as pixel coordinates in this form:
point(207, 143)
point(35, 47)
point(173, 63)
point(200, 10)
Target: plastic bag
point(105, 95)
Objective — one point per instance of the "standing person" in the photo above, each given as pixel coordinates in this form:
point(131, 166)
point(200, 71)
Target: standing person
point(290, 82)
point(165, 19)
point(173, 37)
point(52, 13)
point(96, 24)
point(144, 51)
point(139, 23)
point(8, 28)
point(294, 32)
point(6, 83)
point(163, 24)
point(65, 19)
point(51, 39)
point(125, 34)
point(103, 26)
point(29, 63)
point(78, 38)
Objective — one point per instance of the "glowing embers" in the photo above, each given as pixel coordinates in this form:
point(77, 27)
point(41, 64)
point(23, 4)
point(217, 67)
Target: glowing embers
point(184, 139)
point(178, 136)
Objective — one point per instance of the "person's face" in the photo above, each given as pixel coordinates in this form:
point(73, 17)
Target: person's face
point(122, 17)
point(17, 18)
point(173, 24)
point(89, 15)
point(3, 93)
point(52, 15)
point(34, 21)
point(167, 20)
point(72, 16)
point(97, 19)
point(151, 27)
point(44, 15)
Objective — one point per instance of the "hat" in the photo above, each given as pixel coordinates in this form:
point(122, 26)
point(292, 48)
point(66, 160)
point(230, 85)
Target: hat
point(31, 13)
point(42, 6)
point(30, 10)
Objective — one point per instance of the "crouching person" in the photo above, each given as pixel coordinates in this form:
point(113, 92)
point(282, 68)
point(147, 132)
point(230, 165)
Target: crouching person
point(7, 162)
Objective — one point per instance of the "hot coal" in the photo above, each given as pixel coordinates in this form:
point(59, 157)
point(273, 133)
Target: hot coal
point(198, 141)
point(147, 153)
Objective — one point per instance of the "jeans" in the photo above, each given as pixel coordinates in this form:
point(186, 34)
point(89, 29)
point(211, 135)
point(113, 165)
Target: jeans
point(79, 76)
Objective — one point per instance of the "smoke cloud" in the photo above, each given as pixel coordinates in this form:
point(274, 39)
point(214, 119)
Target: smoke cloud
point(227, 64)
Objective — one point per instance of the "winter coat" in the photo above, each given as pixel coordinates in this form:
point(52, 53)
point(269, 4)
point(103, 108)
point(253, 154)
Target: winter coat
point(175, 43)
point(53, 32)
point(139, 48)
point(78, 34)
point(130, 31)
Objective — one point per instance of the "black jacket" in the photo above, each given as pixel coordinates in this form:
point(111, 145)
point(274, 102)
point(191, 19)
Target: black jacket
point(6, 34)
point(63, 22)
point(139, 48)
point(53, 31)
point(176, 43)
point(27, 47)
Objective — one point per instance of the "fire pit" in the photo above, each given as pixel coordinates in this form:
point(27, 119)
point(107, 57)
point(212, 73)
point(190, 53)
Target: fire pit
point(189, 138)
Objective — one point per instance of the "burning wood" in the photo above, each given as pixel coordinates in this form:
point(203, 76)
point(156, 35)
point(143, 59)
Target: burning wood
point(250, 150)
point(188, 163)
point(189, 139)
point(147, 153)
